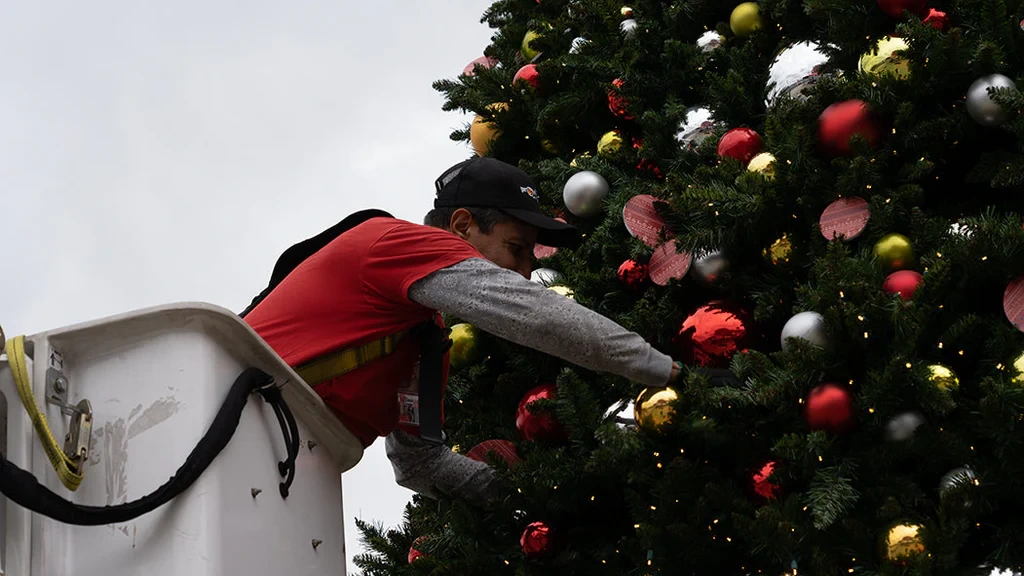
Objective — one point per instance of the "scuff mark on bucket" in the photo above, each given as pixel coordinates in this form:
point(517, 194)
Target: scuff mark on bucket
point(159, 411)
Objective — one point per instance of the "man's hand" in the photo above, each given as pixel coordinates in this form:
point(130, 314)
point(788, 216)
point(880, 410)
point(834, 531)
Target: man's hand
point(677, 371)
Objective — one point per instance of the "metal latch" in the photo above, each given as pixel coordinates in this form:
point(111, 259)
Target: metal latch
point(76, 443)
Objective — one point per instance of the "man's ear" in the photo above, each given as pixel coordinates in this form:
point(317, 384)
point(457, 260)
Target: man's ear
point(460, 223)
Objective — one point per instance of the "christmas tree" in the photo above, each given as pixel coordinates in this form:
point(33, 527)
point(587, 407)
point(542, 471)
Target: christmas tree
point(823, 197)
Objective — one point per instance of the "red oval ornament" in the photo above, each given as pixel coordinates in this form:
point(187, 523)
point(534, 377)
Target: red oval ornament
point(503, 448)
point(642, 220)
point(667, 263)
point(845, 218)
point(485, 61)
point(1013, 303)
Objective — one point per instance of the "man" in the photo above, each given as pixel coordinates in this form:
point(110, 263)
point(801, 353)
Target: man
point(386, 277)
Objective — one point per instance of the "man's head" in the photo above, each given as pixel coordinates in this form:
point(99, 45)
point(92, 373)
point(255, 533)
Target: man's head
point(494, 206)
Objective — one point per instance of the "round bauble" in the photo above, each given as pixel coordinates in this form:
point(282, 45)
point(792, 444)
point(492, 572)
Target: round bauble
point(698, 125)
point(528, 52)
point(501, 448)
point(484, 61)
point(779, 251)
point(1017, 369)
point(959, 485)
point(829, 407)
point(710, 268)
point(540, 425)
point(564, 291)
point(887, 58)
point(547, 277)
point(902, 426)
point(654, 408)
point(842, 121)
point(980, 105)
point(633, 274)
point(578, 43)
point(617, 104)
point(794, 71)
point(623, 414)
point(895, 8)
point(903, 542)
point(740, 143)
point(943, 378)
point(527, 76)
point(483, 131)
point(903, 282)
point(628, 28)
point(537, 540)
point(466, 347)
point(763, 486)
point(710, 41)
point(414, 553)
point(745, 19)
point(584, 193)
point(712, 334)
point(894, 251)
point(807, 326)
point(763, 164)
point(610, 144)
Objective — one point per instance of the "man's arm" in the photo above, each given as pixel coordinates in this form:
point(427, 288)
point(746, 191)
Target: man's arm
point(509, 306)
point(432, 469)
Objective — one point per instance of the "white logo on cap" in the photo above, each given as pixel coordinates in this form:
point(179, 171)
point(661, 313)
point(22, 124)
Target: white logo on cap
point(530, 192)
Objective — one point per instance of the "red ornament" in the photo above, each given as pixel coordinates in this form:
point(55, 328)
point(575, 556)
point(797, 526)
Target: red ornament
point(763, 486)
point(616, 103)
point(712, 334)
point(527, 74)
point(633, 274)
point(646, 165)
point(415, 554)
point(503, 448)
point(895, 8)
point(1013, 302)
point(538, 425)
point(937, 18)
point(829, 407)
point(741, 144)
point(485, 61)
point(904, 283)
point(536, 540)
point(840, 121)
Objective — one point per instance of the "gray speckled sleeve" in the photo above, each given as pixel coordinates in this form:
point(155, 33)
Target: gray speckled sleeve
point(509, 306)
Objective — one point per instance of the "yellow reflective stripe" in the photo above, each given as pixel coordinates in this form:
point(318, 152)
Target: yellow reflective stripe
point(344, 361)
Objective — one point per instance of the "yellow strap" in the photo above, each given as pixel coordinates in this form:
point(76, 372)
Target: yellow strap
point(344, 361)
point(68, 473)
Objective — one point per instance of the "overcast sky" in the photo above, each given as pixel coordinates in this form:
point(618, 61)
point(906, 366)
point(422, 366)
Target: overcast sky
point(160, 152)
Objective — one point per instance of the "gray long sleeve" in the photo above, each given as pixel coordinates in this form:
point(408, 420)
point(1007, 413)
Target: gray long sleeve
point(509, 306)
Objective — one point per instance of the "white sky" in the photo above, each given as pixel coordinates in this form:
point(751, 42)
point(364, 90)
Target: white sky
point(162, 152)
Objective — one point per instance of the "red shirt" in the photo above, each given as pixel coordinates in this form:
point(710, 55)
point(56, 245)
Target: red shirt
point(351, 292)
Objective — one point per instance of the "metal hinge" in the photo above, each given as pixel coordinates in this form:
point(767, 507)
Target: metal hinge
point(76, 443)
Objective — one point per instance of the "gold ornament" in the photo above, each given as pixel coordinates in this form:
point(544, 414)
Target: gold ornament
point(895, 251)
point(943, 377)
point(745, 19)
point(763, 163)
point(886, 58)
point(1018, 366)
point(465, 348)
point(626, 12)
point(564, 291)
point(576, 161)
point(779, 250)
point(482, 132)
point(610, 143)
point(903, 542)
point(653, 408)
point(549, 147)
point(528, 52)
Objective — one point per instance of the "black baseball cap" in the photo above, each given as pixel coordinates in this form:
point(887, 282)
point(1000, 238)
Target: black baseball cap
point(488, 183)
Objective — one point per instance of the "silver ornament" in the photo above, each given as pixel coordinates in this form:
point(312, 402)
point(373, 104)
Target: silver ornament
point(902, 427)
point(989, 570)
point(622, 414)
point(628, 28)
point(957, 483)
point(710, 41)
point(578, 43)
point(584, 193)
point(547, 277)
point(794, 71)
point(808, 326)
point(961, 230)
point(982, 108)
point(710, 267)
point(698, 125)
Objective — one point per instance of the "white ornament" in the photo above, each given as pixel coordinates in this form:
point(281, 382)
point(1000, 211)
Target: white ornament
point(794, 70)
point(584, 193)
point(698, 125)
point(710, 267)
point(808, 326)
point(902, 427)
point(622, 414)
point(710, 41)
point(980, 105)
point(547, 277)
point(578, 43)
point(628, 28)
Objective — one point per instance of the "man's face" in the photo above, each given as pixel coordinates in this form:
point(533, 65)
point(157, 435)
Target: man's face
point(509, 244)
